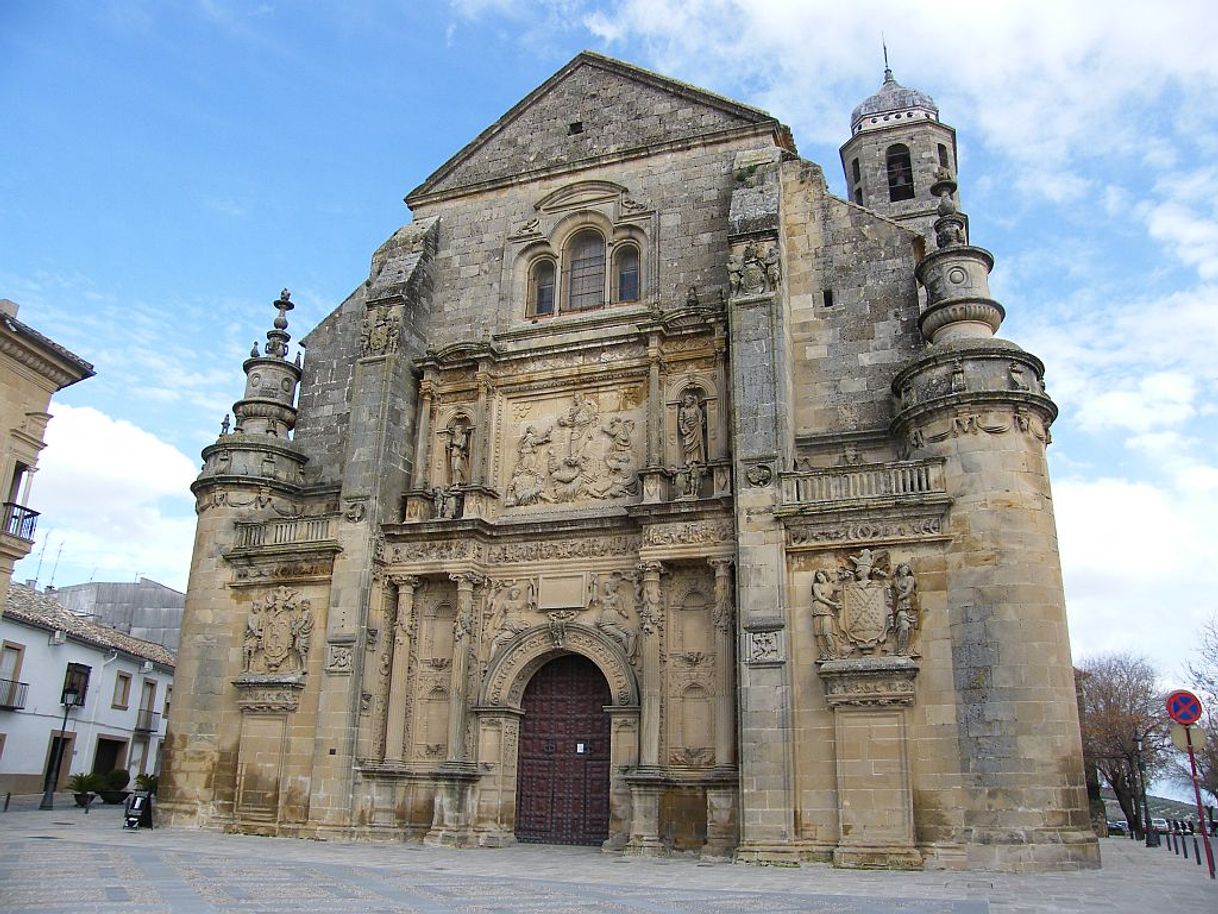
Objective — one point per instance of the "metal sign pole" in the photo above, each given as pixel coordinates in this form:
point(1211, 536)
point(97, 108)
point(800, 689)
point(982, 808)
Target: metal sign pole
point(1205, 836)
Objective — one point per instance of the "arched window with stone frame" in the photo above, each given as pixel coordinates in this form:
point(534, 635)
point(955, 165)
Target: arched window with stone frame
point(900, 173)
point(627, 285)
point(542, 287)
point(584, 268)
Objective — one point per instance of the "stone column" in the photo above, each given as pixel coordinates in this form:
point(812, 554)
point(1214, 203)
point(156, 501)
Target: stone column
point(655, 407)
point(725, 665)
point(462, 629)
point(422, 441)
point(481, 451)
point(395, 724)
point(651, 624)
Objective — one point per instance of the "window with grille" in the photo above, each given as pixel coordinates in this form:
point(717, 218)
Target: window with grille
point(586, 283)
point(627, 260)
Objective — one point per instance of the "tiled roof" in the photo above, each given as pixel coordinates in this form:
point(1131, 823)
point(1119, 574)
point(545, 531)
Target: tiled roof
point(15, 326)
point(44, 611)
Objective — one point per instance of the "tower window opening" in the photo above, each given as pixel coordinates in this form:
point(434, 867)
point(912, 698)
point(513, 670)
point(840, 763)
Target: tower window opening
point(900, 173)
point(855, 172)
point(575, 127)
point(858, 196)
point(828, 295)
point(943, 156)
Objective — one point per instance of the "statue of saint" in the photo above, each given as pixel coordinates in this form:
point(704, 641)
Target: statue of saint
point(691, 424)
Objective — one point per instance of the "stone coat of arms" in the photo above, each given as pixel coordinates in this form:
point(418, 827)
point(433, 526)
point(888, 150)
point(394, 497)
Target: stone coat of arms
point(872, 610)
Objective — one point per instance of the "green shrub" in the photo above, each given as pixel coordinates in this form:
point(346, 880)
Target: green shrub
point(85, 783)
point(118, 779)
point(148, 782)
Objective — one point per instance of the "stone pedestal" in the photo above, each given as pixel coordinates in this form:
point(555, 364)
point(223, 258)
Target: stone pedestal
point(875, 805)
point(722, 828)
point(451, 816)
point(646, 785)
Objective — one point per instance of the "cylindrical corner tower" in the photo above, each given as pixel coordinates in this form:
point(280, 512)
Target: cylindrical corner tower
point(978, 402)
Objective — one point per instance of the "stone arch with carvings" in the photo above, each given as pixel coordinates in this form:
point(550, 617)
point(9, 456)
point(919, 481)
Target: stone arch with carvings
point(511, 670)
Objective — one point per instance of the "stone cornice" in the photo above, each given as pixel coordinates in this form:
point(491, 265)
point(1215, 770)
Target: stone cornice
point(46, 358)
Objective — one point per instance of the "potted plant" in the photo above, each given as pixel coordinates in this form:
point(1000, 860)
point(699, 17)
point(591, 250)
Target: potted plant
point(114, 789)
point(147, 782)
point(84, 787)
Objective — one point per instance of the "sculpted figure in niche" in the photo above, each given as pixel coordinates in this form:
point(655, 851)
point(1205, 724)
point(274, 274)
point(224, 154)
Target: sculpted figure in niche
point(824, 617)
point(528, 483)
point(613, 619)
point(458, 453)
point(904, 615)
point(691, 424)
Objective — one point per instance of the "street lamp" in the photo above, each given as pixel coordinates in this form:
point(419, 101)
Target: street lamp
point(71, 699)
point(1152, 834)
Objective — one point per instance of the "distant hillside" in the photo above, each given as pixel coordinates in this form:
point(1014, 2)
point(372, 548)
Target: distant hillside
point(1159, 807)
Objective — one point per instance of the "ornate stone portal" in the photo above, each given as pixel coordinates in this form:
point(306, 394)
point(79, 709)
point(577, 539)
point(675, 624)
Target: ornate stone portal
point(614, 393)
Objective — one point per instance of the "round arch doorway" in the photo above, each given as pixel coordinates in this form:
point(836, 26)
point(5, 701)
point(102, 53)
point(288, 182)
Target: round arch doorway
point(562, 792)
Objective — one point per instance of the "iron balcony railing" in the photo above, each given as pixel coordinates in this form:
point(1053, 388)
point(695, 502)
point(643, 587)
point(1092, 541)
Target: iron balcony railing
point(19, 521)
point(147, 721)
point(12, 694)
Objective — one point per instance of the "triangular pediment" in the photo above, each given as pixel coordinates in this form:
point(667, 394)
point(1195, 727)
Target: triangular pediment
point(592, 109)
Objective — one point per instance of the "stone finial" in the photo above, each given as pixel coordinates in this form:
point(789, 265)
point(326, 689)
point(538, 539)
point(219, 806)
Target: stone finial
point(951, 228)
point(277, 337)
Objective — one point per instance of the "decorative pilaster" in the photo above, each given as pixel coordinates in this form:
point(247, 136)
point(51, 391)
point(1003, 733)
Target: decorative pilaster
point(651, 625)
point(462, 630)
point(399, 670)
point(724, 619)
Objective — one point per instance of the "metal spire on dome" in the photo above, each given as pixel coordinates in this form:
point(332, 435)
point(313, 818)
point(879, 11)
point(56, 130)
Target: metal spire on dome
point(888, 77)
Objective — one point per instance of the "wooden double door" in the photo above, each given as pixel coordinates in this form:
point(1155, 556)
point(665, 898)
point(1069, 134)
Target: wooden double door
point(562, 794)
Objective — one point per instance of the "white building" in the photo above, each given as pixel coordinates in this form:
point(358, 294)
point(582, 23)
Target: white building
point(126, 683)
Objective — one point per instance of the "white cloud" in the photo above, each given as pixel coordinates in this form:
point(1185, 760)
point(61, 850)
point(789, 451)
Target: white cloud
point(1135, 557)
point(115, 497)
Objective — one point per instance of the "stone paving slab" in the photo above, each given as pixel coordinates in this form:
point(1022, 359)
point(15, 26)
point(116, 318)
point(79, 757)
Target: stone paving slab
point(64, 862)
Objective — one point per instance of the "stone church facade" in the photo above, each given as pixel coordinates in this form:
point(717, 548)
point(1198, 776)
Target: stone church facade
point(645, 495)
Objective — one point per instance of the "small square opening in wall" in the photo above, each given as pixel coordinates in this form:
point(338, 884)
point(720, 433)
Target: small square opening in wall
point(575, 127)
point(828, 298)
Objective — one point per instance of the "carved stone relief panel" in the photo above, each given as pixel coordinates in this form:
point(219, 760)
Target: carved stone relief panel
point(863, 603)
point(575, 447)
point(278, 633)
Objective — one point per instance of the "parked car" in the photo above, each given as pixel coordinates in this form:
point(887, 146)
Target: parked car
point(1116, 827)
point(1159, 825)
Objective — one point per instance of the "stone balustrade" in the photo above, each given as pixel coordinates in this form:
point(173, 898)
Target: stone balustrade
point(286, 531)
point(876, 480)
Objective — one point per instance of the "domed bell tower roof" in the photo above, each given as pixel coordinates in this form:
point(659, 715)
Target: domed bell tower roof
point(891, 105)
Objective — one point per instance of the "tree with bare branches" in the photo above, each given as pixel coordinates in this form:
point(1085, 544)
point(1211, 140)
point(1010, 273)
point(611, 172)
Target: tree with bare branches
point(1203, 670)
point(1122, 703)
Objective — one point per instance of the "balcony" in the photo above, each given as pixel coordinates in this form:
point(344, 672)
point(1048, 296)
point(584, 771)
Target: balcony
point(19, 521)
point(147, 721)
point(290, 531)
point(12, 694)
point(911, 478)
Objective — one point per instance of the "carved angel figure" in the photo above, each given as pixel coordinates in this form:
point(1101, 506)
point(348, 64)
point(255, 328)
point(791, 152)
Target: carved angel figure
point(735, 272)
point(904, 614)
point(824, 617)
point(691, 424)
point(613, 619)
point(508, 606)
point(302, 634)
point(251, 643)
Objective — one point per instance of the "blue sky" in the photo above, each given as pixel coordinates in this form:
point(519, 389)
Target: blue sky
point(168, 166)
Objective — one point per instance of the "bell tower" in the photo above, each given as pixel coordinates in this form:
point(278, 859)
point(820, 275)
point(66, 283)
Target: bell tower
point(897, 145)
